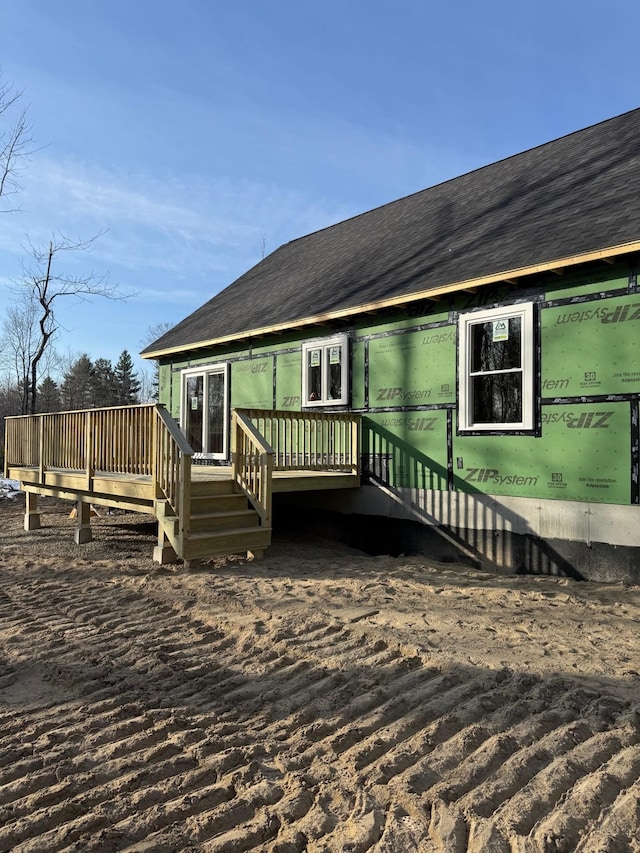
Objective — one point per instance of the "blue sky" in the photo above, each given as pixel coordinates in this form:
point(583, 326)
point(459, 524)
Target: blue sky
point(197, 132)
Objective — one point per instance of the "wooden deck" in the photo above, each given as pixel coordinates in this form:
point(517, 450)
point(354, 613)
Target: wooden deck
point(136, 458)
point(137, 492)
point(287, 481)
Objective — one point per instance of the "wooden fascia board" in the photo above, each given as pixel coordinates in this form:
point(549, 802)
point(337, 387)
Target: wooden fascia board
point(393, 302)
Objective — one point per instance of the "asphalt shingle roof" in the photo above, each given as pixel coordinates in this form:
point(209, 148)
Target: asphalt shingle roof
point(569, 197)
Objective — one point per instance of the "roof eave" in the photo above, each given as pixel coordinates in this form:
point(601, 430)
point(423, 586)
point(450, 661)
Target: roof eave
point(320, 319)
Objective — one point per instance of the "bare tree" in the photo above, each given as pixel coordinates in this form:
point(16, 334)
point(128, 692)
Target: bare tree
point(155, 331)
point(43, 285)
point(19, 343)
point(148, 385)
point(16, 141)
point(9, 405)
point(151, 388)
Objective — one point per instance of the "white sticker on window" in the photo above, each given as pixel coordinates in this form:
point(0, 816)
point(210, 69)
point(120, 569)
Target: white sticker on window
point(194, 404)
point(334, 355)
point(500, 330)
point(314, 358)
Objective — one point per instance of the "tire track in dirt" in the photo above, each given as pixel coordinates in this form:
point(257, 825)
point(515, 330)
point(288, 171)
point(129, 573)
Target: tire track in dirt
point(147, 725)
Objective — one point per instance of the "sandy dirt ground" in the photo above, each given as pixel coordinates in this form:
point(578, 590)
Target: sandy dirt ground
point(316, 700)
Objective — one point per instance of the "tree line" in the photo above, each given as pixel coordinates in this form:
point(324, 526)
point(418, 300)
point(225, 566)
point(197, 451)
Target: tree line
point(84, 384)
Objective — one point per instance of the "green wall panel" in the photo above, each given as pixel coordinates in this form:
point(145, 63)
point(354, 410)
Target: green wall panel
point(583, 454)
point(595, 280)
point(213, 357)
point(486, 296)
point(433, 312)
point(288, 381)
point(266, 348)
point(415, 368)
point(175, 395)
point(407, 449)
point(592, 348)
point(164, 384)
point(357, 374)
point(252, 384)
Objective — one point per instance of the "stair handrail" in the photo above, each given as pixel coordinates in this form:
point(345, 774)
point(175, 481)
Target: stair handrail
point(172, 468)
point(252, 464)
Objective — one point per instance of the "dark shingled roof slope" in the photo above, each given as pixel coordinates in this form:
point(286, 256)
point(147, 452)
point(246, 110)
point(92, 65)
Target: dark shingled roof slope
point(569, 197)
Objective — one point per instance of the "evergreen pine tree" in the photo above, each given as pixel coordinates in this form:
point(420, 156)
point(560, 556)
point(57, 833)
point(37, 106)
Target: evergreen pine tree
point(104, 389)
point(127, 383)
point(76, 392)
point(48, 395)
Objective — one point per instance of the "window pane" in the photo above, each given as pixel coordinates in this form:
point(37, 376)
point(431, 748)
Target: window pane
point(314, 375)
point(216, 413)
point(195, 413)
point(334, 371)
point(497, 399)
point(496, 345)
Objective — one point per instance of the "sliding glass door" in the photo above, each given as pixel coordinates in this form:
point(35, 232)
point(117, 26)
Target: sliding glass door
point(205, 411)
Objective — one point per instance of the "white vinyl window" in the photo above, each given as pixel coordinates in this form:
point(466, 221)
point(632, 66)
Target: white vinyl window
point(325, 372)
point(496, 369)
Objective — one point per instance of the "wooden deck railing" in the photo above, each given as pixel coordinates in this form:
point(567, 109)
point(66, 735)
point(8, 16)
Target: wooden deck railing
point(252, 464)
point(146, 441)
point(112, 441)
point(138, 440)
point(324, 441)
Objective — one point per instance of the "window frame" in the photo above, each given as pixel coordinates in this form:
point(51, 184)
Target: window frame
point(207, 370)
point(324, 344)
point(525, 311)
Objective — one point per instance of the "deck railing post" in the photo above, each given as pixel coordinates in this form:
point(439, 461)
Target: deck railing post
point(356, 461)
point(234, 446)
point(267, 484)
point(8, 430)
point(41, 445)
point(88, 448)
point(185, 499)
point(154, 451)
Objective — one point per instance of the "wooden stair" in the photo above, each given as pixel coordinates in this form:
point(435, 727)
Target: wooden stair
point(222, 522)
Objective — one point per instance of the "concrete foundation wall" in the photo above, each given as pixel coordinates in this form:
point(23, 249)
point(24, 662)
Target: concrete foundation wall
point(596, 542)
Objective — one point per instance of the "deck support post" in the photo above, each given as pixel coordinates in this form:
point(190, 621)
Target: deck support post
point(163, 552)
point(31, 514)
point(82, 533)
